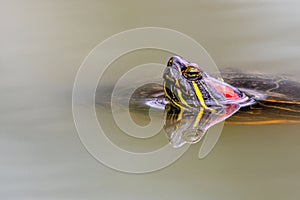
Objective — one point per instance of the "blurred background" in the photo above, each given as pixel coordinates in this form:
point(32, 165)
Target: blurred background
point(42, 45)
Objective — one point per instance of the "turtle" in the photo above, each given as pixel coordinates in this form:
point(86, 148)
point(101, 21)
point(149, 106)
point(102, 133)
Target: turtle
point(193, 100)
point(199, 101)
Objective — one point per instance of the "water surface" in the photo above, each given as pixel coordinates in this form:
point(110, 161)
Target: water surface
point(42, 47)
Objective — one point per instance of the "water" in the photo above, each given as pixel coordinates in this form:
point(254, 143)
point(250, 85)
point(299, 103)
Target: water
point(42, 47)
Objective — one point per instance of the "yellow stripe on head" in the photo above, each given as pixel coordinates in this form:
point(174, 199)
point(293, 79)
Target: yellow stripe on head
point(182, 100)
point(198, 118)
point(170, 98)
point(199, 95)
point(172, 73)
point(212, 96)
point(179, 69)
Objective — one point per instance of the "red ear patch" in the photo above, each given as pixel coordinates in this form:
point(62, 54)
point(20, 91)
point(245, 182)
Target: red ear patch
point(228, 92)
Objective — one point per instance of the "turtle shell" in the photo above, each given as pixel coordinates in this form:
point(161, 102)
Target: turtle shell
point(274, 88)
point(277, 97)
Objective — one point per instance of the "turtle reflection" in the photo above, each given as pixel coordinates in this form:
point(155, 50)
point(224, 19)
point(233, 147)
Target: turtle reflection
point(189, 126)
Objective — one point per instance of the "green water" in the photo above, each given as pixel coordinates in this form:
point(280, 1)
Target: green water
point(43, 43)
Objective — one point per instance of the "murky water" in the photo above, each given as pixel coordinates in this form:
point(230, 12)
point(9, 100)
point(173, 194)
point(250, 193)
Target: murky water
point(44, 43)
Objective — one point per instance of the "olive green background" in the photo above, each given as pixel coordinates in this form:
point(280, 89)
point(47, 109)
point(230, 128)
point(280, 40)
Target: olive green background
point(42, 45)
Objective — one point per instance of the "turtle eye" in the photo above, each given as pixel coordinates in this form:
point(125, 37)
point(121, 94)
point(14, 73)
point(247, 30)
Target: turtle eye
point(191, 72)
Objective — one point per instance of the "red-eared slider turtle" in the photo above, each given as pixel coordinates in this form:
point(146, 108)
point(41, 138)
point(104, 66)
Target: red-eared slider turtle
point(198, 101)
point(194, 101)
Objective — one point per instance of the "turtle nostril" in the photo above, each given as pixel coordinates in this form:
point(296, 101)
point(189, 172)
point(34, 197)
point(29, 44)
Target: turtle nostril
point(170, 62)
point(180, 62)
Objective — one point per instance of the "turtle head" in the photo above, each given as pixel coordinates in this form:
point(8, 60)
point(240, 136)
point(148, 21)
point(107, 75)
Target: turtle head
point(187, 85)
